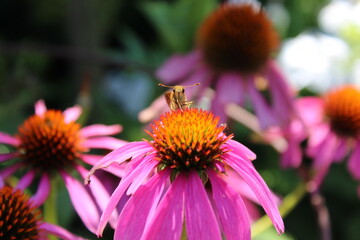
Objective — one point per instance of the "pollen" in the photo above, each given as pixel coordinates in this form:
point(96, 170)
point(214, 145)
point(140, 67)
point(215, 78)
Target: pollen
point(188, 139)
point(237, 37)
point(18, 219)
point(342, 107)
point(48, 143)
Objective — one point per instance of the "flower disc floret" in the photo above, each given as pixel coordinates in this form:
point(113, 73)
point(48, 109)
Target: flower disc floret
point(237, 37)
point(18, 219)
point(342, 107)
point(188, 139)
point(48, 143)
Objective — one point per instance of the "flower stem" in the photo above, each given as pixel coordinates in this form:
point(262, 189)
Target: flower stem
point(50, 213)
point(318, 204)
point(288, 204)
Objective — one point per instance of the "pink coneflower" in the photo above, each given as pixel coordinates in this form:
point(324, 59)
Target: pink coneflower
point(331, 126)
point(51, 142)
point(234, 52)
point(179, 179)
point(20, 217)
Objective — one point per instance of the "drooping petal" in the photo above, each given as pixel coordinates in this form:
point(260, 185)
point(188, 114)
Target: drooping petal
point(241, 150)
point(259, 187)
point(140, 208)
point(100, 130)
point(115, 169)
point(7, 156)
point(281, 95)
point(144, 168)
point(239, 185)
point(6, 172)
point(316, 139)
point(200, 218)
point(120, 155)
point(168, 219)
point(99, 193)
point(72, 114)
point(82, 201)
point(58, 231)
point(310, 109)
point(26, 180)
point(232, 212)
point(109, 143)
point(177, 67)
point(262, 109)
point(157, 107)
point(292, 156)
point(40, 108)
point(354, 162)
point(229, 89)
point(42, 192)
point(8, 139)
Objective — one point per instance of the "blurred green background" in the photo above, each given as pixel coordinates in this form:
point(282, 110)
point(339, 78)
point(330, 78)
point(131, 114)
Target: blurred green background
point(103, 54)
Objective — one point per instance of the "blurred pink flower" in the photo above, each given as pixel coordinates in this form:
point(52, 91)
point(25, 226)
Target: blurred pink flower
point(234, 56)
point(20, 216)
point(186, 175)
point(330, 126)
point(51, 142)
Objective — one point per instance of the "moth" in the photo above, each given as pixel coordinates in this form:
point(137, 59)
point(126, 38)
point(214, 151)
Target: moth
point(176, 99)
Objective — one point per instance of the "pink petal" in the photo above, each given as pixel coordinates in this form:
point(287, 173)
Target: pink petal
point(82, 201)
point(168, 219)
point(120, 155)
point(232, 212)
point(109, 143)
point(26, 180)
point(115, 169)
point(316, 139)
point(262, 109)
point(292, 156)
point(99, 193)
point(8, 139)
point(354, 162)
point(100, 130)
point(177, 67)
point(157, 107)
point(341, 150)
point(140, 208)
point(5, 173)
point(241, 150)
point(326, 150)
point(230, 88)
point(281, 96)
point(42, 192)
point(72, 114)
point(238, 184)
point(58, 231)
point(310, 109)
point(144, 168)
point(200, 218)
point(7, 156)
point(40, 108)
point(259, 187)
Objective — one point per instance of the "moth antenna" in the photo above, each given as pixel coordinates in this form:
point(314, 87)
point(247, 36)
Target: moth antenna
point(196, 84)
point(163, 85)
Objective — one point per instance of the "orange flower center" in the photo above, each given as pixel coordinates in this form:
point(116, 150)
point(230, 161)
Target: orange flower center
point(342, 107)
point(188, 139)
point(237, 37)
point(48, 143)
point(18, 220)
